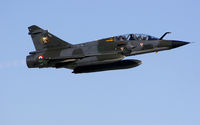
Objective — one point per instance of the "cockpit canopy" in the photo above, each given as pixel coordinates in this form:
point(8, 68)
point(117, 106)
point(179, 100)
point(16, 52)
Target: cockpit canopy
point(135, 37)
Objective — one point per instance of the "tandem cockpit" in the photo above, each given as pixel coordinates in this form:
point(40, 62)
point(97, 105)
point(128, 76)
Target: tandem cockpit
point(135, 37)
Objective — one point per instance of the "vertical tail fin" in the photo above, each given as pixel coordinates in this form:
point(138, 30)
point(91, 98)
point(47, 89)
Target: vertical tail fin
point(42, 39)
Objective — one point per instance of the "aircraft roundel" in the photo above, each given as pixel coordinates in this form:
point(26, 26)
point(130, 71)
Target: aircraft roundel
point(40, 57)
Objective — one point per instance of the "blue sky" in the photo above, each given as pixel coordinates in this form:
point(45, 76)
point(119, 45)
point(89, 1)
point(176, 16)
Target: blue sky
point(163, 90)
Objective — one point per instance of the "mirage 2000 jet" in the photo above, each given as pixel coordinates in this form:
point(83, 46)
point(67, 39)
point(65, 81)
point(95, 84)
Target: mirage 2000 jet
point(99, 55)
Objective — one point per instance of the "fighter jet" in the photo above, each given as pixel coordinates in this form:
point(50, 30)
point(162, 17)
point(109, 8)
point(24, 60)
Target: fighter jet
point(99, 55)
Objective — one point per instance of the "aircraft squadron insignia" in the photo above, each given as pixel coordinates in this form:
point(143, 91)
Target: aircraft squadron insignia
point(45, 40)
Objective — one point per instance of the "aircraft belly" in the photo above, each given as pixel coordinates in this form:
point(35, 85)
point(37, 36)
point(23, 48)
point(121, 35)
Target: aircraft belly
point(102, 59)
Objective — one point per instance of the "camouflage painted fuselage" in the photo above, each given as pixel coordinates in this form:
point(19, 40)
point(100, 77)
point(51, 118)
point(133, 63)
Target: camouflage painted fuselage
point(99, 55)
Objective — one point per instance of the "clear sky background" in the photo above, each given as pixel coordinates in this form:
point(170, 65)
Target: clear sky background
point(164, 90)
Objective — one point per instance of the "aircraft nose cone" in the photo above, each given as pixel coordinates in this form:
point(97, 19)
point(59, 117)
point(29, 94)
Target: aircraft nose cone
point(176, 44)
